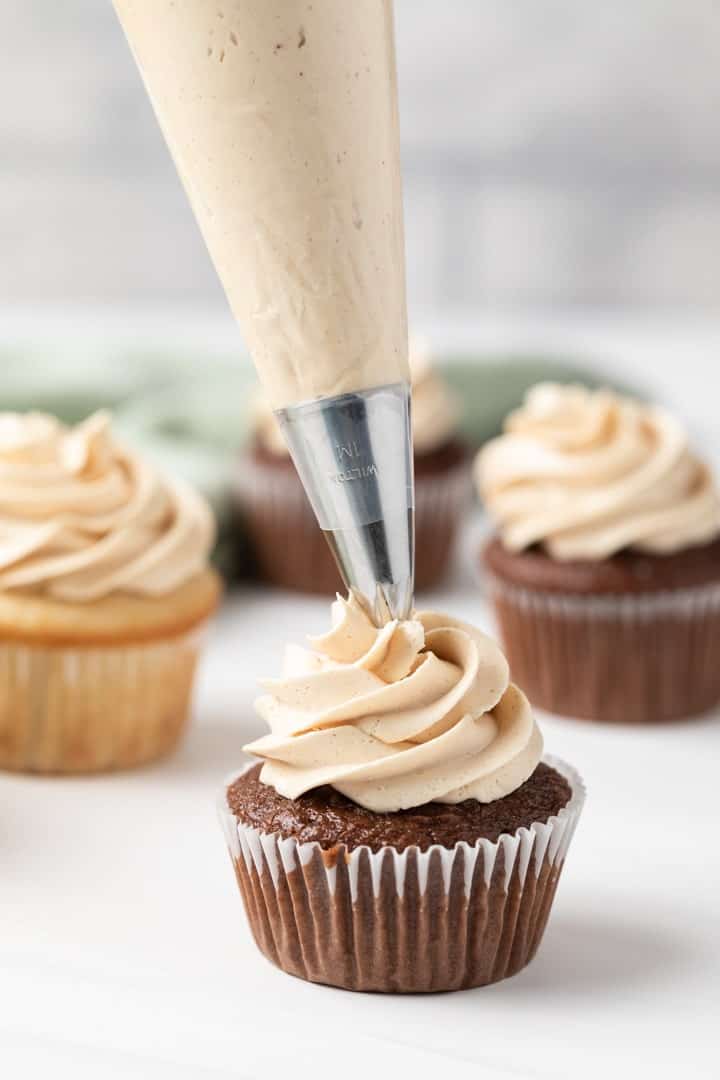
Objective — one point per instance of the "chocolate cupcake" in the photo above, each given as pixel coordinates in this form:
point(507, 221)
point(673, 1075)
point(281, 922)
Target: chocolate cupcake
point(288, 546)
point(605, 573)
point(403, 833)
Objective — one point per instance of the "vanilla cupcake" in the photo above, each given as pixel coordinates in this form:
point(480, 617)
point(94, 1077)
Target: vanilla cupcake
point(105, 590)
point(288, 545)
point(404, 832)
point(605, 569)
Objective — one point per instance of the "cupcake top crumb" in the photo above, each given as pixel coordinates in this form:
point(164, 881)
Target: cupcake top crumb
point(324, 815)
point(589, 473)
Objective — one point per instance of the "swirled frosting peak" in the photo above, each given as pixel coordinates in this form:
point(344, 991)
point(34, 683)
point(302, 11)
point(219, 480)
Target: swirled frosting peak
point(588, 473)
point(82, 517)
point(397, 716)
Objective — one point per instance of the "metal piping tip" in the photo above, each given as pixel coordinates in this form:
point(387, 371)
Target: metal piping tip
point(354, 456)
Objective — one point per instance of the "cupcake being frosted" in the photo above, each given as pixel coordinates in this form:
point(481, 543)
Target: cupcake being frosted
point(104, 586)
point(607, 557)
point(402, 805)
point(290, 549)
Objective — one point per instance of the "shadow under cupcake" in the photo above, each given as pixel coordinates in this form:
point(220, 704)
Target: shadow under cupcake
point(403, 834)
point(605, 572)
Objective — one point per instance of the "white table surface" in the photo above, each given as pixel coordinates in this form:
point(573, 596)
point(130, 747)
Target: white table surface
point(124, 950)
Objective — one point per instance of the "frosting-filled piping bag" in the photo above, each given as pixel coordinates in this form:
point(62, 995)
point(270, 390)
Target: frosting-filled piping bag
point(281, 116)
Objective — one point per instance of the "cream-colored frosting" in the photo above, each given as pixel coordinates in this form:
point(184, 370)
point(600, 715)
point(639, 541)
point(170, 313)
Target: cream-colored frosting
point(82, 517)
point(281, 116)
point(435, 412)
point(397, 716)
point(587, 473)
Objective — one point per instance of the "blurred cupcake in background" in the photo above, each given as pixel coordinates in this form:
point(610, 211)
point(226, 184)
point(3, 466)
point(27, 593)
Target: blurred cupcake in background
point(104, 592)
point(605, 570)
point(288, 545)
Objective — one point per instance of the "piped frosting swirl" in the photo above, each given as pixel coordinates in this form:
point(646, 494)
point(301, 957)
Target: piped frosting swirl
point(588, 473)
point(82, 517)
point(394, 717)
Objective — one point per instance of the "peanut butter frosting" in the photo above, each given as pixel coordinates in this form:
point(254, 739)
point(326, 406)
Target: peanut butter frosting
point(435, 413)
point(282, 119)
point(588, 473)
point(396, 716)
point(82, 517)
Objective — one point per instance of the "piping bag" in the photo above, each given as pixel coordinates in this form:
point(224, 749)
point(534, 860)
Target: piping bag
point(282, 119)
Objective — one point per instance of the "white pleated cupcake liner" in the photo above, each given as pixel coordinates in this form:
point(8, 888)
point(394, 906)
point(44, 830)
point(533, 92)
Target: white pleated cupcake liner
point(272, 853)
point(497, 896)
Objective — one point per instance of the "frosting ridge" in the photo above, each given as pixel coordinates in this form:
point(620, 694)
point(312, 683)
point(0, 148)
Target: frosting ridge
point(588, 473)
point(82, 516)
point(415, 711)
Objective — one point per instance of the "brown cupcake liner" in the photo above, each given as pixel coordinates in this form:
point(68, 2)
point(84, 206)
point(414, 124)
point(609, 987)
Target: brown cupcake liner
point(290, 549)
point(631, 658)
point(440, 504)
point(402, 921)
point(90, 709)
